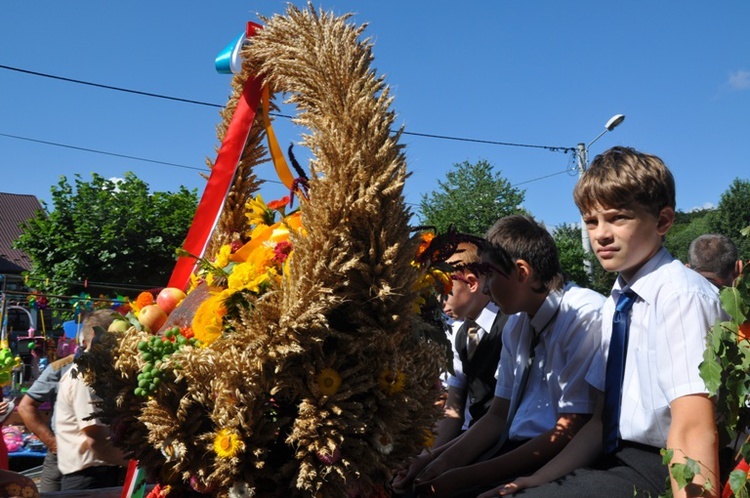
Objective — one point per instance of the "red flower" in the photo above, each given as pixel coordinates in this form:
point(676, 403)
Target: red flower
point(279, 203)
point(282, 251)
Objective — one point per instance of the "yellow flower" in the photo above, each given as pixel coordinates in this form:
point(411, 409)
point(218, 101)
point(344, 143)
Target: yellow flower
point(222, 259)
point(258, 213)
point(392, 382)
point(247, 276)
point(227, 444)
point(429, 439)
point(207, 322)
point(329, 381)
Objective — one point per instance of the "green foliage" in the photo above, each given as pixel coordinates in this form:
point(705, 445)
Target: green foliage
point(733, 215)
point(471, 199)
point(107, 231)
point(726, 370)
point(686, 227)
point(570, 250)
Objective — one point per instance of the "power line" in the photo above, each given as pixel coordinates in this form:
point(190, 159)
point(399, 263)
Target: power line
point(551, 148)
point(113, 154)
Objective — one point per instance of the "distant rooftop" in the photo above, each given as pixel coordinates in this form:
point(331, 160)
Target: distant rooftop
point(14, 210)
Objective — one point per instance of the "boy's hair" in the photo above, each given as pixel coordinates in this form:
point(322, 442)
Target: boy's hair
point(465, 258)
point(714, 253)
point(621, 176)
point(521, 237)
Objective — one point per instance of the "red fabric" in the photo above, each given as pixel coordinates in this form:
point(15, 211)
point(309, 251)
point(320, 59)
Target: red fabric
point(219, 183)
point(4, 465)
point(743, 466)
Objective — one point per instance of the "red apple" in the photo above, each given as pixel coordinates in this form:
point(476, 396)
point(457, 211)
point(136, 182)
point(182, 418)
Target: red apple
point(169, 298)
point(153, 317)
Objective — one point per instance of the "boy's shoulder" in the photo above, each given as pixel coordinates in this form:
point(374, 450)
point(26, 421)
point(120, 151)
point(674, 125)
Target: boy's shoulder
point(666, 275)
point(581, 298)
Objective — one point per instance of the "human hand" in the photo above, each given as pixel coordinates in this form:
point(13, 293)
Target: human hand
point(445, 485)
point(425, 479)
point(4, 407)
point(510, 488)
point(406, 474)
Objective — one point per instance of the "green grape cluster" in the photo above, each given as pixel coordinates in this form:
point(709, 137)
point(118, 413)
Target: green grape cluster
point(7, 362)
point(153, 353)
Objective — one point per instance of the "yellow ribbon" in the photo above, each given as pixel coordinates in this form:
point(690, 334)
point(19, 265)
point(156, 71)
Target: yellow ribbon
point(279, 162)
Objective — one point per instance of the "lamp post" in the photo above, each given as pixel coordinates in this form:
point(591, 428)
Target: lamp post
point(582, 156)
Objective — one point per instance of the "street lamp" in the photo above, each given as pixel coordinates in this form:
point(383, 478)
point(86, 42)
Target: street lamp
point(582, 156)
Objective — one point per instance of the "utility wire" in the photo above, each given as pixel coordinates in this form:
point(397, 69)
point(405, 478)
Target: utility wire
point(551, 148)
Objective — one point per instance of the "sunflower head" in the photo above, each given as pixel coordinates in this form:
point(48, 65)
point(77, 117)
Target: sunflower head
point(329, 381)
point(227, 444)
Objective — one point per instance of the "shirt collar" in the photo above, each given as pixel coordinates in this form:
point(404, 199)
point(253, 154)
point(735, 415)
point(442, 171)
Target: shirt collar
point(547, 311)
point(639, 284)
point(487, 316)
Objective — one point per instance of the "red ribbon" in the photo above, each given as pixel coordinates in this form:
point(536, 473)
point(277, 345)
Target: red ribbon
point(219, 183)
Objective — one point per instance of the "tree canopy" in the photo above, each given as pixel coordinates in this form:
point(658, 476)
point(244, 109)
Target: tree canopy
point(107, 231)
point(471, 198)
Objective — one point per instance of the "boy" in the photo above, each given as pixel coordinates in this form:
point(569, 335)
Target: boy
point(541, 398)
point(627, 199)
point(476, 346)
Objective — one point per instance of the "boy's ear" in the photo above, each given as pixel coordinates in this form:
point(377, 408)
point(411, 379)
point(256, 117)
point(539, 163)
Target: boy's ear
point(474, 283)
point(524, 271)
point(665, 220)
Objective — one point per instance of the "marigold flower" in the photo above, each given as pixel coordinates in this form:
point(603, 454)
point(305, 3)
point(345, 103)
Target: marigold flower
point(208, 320)
point(222, 259)
point(247, 276)
point(228, 444)
point(329, 381)
point(144, 299)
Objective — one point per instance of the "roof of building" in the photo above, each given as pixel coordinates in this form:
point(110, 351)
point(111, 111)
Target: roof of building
point(14, 210)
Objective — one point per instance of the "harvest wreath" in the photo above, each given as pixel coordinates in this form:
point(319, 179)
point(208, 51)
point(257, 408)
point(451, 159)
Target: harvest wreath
point(304, 360)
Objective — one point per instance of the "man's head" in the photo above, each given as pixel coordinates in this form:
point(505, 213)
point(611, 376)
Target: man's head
point(99, 318)
point(466, 300)
point(627, 200)
point(526, 252)
point(715, 257)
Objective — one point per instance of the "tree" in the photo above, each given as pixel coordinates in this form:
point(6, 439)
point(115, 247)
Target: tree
point(570, 251)
point(733, 215)
point(471, 198)
point(106, 231)
point(686, 227)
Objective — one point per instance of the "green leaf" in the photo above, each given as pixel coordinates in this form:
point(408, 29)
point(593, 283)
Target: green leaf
point(682, 474)
point(666, 456)
point(710, 370)
point(731, 301)
point(737, 481)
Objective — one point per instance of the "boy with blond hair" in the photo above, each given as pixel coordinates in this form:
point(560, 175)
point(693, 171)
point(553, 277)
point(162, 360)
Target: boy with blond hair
point(658, 398)
point(476, 345)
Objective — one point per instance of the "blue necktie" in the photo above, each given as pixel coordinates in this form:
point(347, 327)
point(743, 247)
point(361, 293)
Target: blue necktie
point(618, 345)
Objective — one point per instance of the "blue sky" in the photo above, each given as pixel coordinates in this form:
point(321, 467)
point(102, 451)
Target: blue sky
point(526, 72)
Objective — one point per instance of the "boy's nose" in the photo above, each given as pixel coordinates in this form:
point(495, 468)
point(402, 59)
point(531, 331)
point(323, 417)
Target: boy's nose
point(601, 234)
